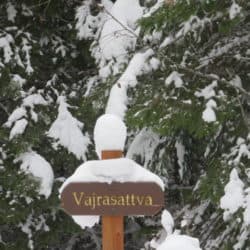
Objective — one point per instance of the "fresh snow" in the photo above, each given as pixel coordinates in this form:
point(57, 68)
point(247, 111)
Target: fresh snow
point(192, 24)
point(173, 240)
point(208, 114)
point(87, 24)
point(16, 115)
point(144, 145)
point(108, 171)
point(115, 40)
point(26, 49)
point(15, 118)
point(234, 196)
point(66, 130)
point(117, 102)
point(26, 228)
point(220, 49)
point(154, 8)
point(86, 221)
point(34, 99)
point(31, 225)
point(167, 221)
point(174, 77)
point(118, 33)
point(11, 12)
point(236, 82)
point(112, 170)
point(242, 150)
point(35, 164)
point(167, 41)
point(136, 67)
point(179, 242)
point(18, 80)
point(180, 151)
point(18, 128)
point(5, 45)
point(109, 134)
point(26, 11)
point(234, 10)
point(208, 92)
point(246, 214)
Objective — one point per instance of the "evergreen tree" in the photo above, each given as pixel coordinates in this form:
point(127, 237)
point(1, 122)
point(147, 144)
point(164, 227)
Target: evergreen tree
point(176, 71)
point(198, 100)
point(43, 72)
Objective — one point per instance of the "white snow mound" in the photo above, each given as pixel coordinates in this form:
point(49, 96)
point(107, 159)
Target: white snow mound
point(86, 221)
point(179, 242)
point(112, 170)
point(167, 221)
point(234, 196)
point(35, 164)
point(109, 134)
point(67, 131)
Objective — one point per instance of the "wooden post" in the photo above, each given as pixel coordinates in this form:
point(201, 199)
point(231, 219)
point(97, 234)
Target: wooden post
point(112, 226)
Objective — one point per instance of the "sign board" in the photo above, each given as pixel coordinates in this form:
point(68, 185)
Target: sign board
point(129, 198)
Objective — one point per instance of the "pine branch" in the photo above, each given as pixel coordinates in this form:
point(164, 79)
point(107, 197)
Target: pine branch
point(4, 109)
point(243, 114)
point(203, 75)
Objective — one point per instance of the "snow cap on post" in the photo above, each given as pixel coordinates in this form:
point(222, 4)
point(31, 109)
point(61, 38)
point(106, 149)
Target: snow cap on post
point(109, 134)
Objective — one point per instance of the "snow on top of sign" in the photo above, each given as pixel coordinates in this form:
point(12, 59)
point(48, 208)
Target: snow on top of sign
point(112, 170)
point(109, 134)
point(35, 164)
point(177, 242)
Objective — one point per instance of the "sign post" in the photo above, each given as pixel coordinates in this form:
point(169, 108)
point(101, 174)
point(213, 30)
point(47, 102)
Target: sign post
point(112, 226)
point(140, 192)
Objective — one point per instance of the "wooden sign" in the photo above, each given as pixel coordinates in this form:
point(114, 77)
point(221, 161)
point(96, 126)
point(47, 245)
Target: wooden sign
point(129, 198)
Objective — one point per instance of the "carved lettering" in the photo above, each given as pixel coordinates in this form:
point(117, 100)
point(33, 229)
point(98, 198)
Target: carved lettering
point(78, 199)
point(148, 200)
point(121, 200)
point(140, 199)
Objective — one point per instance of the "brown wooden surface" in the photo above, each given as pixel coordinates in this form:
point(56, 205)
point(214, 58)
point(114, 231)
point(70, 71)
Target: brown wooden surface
point(112, 233)
point(111, 154)
point(112, 226)
point(75, 198)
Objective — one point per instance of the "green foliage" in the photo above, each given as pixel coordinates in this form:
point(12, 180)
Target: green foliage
point(169, 17)
point(62, 64)
point(211, 186)
point(205, 49)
